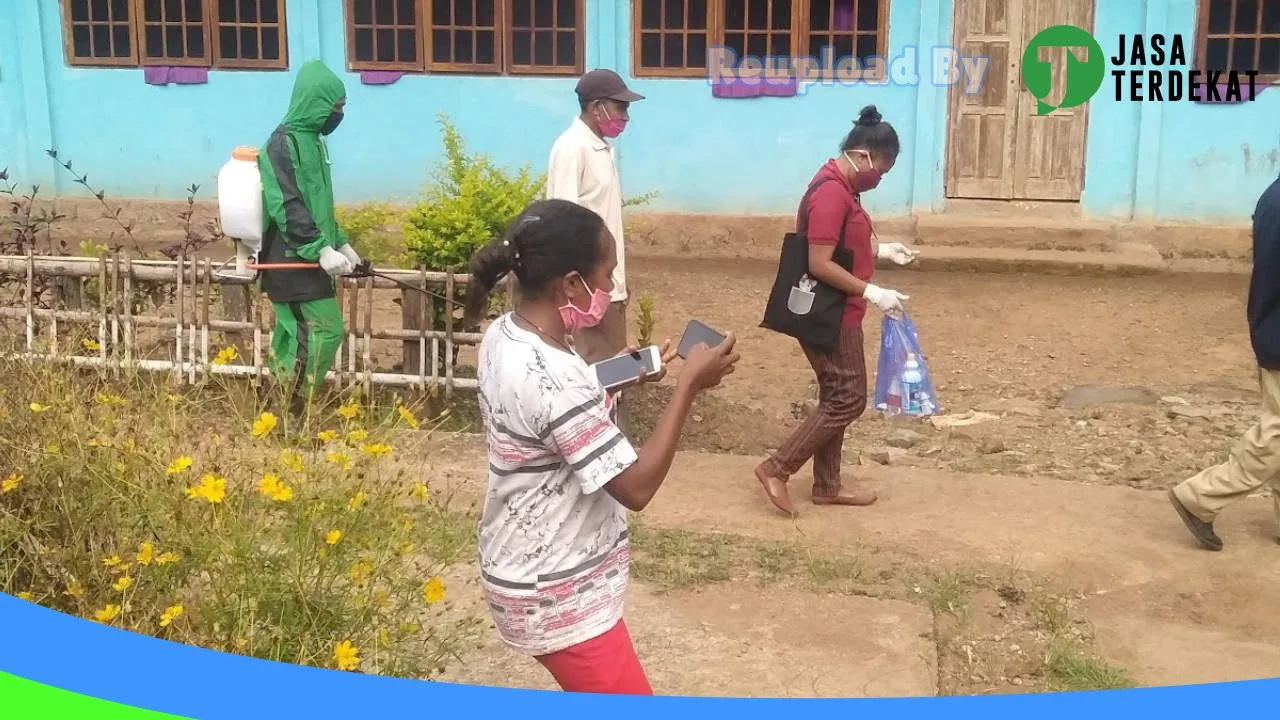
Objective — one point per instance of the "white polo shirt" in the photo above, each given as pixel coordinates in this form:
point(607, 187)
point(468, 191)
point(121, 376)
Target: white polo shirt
point(584, 170)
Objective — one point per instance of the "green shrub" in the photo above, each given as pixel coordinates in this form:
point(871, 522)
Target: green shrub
point(372, 229)
point(470, 202)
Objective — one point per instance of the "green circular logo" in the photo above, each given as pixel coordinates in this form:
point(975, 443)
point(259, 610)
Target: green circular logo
point(1082, 77)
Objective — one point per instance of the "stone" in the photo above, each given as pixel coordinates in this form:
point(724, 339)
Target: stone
point(803, 409)
point(1090, 395)
point(886, 456)
point(961, 420)
point(904, 439)
point(1013, 406)
point(991, 444)
point(1197, 412)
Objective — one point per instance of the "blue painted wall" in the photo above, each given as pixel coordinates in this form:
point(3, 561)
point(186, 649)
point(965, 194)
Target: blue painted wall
point(1183, 161)
point(1175, 161)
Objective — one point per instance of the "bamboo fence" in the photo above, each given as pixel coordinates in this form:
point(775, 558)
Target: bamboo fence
point(192, 315)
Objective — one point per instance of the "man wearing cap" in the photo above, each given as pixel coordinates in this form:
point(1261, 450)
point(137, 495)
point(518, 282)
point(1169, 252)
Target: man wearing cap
point(583, 170)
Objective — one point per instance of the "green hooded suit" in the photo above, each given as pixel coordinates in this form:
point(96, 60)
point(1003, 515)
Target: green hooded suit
point(299, 222)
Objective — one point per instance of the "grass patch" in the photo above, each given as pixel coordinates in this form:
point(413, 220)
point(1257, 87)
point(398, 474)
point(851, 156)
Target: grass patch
point(682, 559)
point(947, 591)
point(1069, 668)
point(675, 559)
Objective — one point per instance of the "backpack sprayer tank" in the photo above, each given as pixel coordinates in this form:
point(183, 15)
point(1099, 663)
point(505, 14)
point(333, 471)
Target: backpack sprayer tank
point(240, 209)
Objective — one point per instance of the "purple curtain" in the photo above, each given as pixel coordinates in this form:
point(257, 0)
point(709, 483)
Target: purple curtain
point(843, 20)
point(167, 75)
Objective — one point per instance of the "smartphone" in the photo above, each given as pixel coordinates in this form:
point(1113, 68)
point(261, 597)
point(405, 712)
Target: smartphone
point(626, 369)
point(694, 333)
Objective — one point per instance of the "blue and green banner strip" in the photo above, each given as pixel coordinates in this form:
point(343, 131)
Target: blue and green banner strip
point(54, 665)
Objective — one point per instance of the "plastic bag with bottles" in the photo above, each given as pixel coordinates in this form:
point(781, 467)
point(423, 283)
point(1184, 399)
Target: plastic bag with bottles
point(903, 383)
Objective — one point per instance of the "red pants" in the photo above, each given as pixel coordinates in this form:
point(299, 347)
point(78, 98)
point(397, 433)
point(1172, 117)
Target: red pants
point(606, 664)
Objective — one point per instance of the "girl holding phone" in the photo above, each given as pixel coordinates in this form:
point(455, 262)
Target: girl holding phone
point(553, 531)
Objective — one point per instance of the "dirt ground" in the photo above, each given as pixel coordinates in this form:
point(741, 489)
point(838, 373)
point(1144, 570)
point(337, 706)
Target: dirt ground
point(1022, 541)
point(1031, 549)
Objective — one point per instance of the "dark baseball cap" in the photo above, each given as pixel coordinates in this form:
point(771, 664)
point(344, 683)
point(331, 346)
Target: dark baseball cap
point(605, 85)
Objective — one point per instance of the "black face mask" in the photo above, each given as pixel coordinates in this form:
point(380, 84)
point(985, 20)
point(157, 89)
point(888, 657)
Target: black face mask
point(332, 123)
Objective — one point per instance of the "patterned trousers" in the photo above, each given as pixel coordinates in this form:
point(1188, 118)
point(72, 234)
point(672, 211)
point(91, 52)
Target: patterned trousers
point(842, 398)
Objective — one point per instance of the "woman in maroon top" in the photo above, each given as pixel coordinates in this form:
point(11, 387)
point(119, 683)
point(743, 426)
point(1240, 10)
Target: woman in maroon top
point(867, 153)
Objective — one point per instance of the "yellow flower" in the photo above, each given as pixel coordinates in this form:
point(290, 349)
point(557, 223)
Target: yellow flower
point(26, 596)
point(419, 491)
point(407, 417)
point(291, 460)
point(112, 561)
point(225, 356)
point(211, 489)
point(359, 573)
point(122, 584)
point(90, 344)
point(340, 459)
point(171, 613)
point(356, 501)
point(179, 465)
point(10, 483)
point(265, 423)
point(346, 655)
point(273, 488)
point(129, 445)
point(326, 436)
point(168, 557)
point(376, 449)
point(74, 589)
point(433, 591)
point(38, 408)
point(349, 411)
point(357, 436)
point(119, 467)
point(332, 537)
point(107, 614)
point(103, 398)
point(146, 552)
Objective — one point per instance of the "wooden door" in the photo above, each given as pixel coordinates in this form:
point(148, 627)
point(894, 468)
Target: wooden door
point(997, 147)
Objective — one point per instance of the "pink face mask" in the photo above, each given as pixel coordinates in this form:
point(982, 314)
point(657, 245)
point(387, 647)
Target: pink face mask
point(576, 319)
point(611, 127)
point(864, 180)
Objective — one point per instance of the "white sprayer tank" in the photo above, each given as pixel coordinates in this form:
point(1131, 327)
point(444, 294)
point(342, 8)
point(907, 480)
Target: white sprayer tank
point(240, 198)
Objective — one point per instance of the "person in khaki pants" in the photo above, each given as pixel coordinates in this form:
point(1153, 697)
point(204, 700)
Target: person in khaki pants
point(1255, 458)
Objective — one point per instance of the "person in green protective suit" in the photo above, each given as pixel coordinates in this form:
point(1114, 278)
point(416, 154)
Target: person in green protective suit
point(300, 227)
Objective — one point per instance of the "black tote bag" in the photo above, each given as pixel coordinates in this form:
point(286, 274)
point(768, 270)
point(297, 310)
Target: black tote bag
point(808, 313)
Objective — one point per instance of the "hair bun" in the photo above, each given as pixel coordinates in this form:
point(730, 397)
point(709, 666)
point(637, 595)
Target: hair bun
point(868, 116)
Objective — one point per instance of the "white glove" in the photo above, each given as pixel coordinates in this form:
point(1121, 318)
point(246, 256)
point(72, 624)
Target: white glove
point(335, 263)
point(895, 251)
point(889, 301)
point(350, 253)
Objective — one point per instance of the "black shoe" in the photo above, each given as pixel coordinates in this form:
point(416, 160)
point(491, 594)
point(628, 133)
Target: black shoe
point(1202, 530)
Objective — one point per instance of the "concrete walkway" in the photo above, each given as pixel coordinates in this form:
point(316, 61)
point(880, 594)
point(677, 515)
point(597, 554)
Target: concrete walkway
point(1164, 609)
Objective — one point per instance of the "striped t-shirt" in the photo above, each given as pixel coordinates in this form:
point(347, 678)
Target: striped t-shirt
point(553, 541)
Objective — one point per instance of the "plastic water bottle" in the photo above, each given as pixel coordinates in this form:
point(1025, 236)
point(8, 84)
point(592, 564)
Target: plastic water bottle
point(912, 383)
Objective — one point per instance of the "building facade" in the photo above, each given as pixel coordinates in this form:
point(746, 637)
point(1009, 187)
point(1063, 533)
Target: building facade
point(149, 96)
